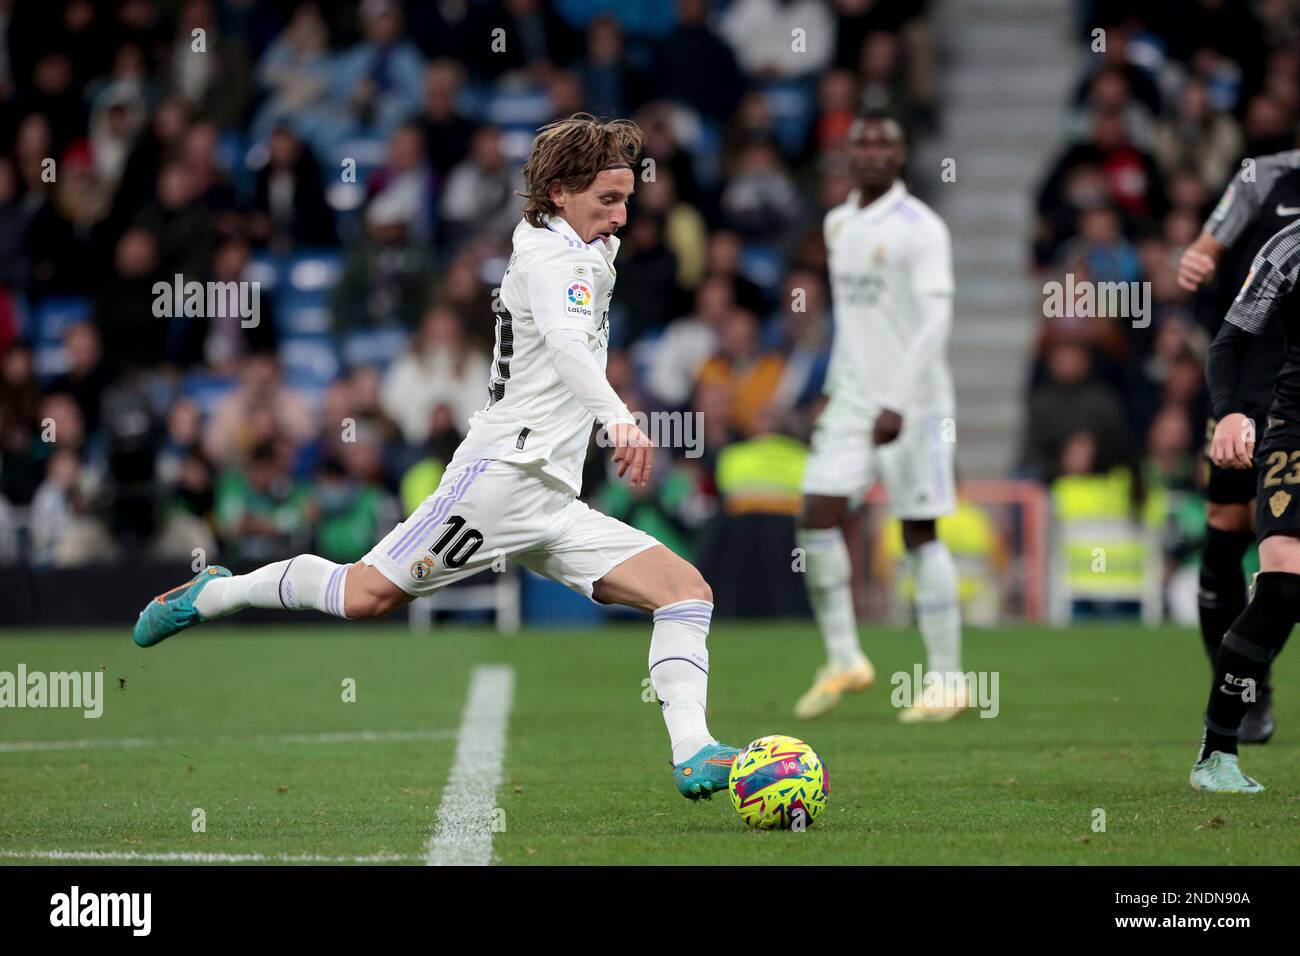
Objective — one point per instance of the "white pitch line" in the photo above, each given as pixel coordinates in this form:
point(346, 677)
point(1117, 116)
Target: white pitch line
point(339, 737)
point(348, 737)
point(463, 834)
point(90, 743)
point(92, 856)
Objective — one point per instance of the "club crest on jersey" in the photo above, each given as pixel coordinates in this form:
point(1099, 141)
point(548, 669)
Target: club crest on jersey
point(581, 271)
point(878, 255)
point(420, 569)
point(1278, 503)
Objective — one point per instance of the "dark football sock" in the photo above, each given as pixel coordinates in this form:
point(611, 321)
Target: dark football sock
point(1253, 640)
point(1222, 594)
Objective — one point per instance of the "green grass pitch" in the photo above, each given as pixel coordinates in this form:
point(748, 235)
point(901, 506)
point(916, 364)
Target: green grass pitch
point(235, 721)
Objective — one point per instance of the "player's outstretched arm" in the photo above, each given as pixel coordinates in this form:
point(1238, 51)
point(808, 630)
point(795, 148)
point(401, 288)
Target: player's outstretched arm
point(578, 370)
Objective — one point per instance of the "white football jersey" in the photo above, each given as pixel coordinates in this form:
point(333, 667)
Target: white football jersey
point(882, 257)
point(554, 281)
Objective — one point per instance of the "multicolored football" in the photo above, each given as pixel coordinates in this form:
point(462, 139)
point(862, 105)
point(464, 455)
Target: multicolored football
point(778, 781)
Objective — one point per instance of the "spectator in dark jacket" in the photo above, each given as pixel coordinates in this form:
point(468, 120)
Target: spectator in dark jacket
point(183, 231)
point(447, 131)
point(289, 206)
point(696, 66)
point(1075, 424)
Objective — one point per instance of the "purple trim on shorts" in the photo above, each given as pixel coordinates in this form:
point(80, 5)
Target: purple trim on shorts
point(477, 469)
point(420, 527)
point(440, 510)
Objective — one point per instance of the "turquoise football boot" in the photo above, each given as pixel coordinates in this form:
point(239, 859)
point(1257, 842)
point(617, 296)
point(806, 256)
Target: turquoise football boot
point(1219, 773)
point(706, 773)
point(173, 611)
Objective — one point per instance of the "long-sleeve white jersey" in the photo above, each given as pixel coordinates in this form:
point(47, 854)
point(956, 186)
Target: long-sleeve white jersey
point(891, 295)
point(554, 281)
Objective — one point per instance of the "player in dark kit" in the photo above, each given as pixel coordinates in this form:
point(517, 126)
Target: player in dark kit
point(1261, 200)
point(1257, 635)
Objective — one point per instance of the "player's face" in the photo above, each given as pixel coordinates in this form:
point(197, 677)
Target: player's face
point(876, 153)
point(600, 210)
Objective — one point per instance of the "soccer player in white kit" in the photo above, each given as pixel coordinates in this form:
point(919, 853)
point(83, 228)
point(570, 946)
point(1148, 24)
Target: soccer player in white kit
point(889, 417)
point(511, 488)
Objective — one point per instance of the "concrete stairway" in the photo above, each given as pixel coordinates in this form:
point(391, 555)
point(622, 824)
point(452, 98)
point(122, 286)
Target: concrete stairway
point(1006, 70)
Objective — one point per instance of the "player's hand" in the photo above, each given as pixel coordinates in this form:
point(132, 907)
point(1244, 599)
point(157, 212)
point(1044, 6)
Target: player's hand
point(1194, 269)
point(1233, 444)
point(888, 424)
point(633, 453)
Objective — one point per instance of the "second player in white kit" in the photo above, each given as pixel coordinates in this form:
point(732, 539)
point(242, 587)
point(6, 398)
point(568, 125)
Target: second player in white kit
point(885, 258)
point(889, 418)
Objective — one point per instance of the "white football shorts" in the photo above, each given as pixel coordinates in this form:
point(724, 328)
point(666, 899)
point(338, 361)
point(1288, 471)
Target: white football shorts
point(916, 468)
point(485, 511)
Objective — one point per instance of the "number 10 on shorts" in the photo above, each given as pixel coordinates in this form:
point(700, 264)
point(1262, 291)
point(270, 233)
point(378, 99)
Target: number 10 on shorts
point(467, 542)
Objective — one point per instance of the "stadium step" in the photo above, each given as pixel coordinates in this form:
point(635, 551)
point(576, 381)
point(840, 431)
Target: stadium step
point(993, 211)
point(977, 168)
point(991, 255)
point(1008, 67)
point(989, 333)
point(985, 291)
point(1030, 84)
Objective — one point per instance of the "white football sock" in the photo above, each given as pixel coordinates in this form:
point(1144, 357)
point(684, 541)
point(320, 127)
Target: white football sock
point(938, 607)
point(306, 581)
point(679, 670)
point(827, 575)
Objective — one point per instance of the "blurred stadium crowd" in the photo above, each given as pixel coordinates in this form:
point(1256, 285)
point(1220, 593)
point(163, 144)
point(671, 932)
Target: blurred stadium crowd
point(360, 162)
point(1160, 123)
